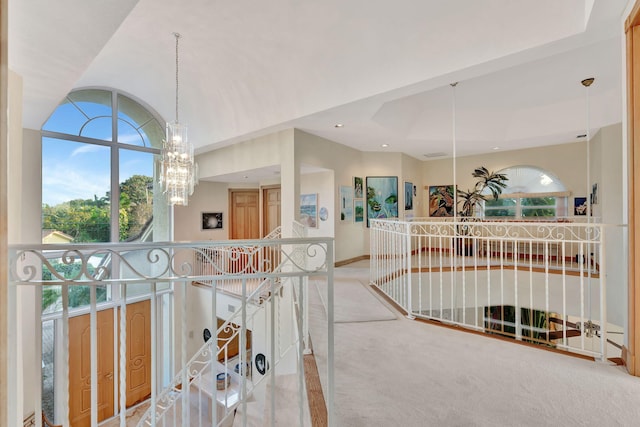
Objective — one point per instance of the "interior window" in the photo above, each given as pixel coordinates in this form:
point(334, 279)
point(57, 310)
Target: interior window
point(531, 193)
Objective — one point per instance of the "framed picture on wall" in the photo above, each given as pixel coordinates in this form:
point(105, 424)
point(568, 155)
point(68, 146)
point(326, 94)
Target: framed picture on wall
point(580, 206)
point(441, 200)
point(357, 187)
point(358, 208)
point(408, 196)
point(309, 210)
point(382, 197)
point(346, 203)
point(211, 220)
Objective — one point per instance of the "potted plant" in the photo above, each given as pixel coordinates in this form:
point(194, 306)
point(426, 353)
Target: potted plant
point(495, 183)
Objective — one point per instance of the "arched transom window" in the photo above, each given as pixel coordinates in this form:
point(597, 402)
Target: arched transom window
point(98, 154)
point(531, 193)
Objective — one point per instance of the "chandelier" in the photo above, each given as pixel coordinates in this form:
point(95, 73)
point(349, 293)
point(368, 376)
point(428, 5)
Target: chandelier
point(178, 169)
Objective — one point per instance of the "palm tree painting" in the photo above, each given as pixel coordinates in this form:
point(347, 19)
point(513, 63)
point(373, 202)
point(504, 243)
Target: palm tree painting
point(382, 197)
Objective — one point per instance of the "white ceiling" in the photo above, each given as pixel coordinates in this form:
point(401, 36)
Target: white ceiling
point(381, 68)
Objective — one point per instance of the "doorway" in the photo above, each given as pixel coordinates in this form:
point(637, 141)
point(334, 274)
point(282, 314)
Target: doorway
point(138, 362)
point(271, 209)
point(245, 214)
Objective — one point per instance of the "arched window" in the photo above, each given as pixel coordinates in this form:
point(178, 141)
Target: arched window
point(98, 154)
point(531, 193)
point(99, 163)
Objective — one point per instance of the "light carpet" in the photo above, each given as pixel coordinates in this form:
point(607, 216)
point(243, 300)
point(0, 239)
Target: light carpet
point(410, 374)
point(346, 291)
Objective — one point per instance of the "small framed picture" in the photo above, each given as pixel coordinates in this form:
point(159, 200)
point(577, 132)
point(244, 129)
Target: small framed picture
point(211, 220)
point(579, 205)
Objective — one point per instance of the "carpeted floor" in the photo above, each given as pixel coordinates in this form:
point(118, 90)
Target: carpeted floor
point(406, 373)
point(347, 290)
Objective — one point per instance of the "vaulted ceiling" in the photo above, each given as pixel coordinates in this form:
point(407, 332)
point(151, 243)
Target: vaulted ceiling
point(381, 68)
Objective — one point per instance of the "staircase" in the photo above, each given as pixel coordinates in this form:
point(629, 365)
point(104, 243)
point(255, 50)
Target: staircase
point(241, 397)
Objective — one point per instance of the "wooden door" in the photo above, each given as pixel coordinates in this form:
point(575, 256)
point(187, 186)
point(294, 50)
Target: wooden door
point(138, 352)
point(271, 210)
point(80, 368)
point(138, 362)
point(245, 214)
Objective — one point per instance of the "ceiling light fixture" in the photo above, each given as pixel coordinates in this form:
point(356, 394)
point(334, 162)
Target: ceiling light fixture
point(338, 125)
point(178, 169)
point(384, 145)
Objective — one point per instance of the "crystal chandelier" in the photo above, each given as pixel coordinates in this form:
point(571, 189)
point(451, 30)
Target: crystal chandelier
point(178, 169)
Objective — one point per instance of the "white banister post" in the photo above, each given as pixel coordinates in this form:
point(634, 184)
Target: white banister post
point(65, 346)
point(603, 296)
point(407, 256)
point(122, 356)
point(154, 353)
point(93, 327)
point(330, 339)
point(183, 358)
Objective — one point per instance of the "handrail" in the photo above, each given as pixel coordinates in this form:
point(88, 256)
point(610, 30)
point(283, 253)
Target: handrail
point(458, 271)
point(167, 262)
point(47, 423)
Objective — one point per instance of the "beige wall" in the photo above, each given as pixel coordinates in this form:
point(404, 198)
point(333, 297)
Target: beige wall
point(607, 155)
point(31, 214)
point(207, 197)
point(345, 163)
point(566, 161)
point(4, 205)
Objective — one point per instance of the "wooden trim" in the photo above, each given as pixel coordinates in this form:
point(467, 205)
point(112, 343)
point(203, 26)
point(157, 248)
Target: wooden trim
point(482, 333)
point(505, 267)
point(634, 17)
point(350, 260)
point(315, 396)
point(631, 354)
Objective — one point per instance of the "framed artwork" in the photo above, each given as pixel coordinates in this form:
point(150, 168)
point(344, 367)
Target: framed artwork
point(357, 187)
point(408, 196)
point(358, 209)
point(594, 194)
point(441, 200)
point(211, 220)
point(580, 206)
point(382, 197)
point(346, 203)
point(309, 210)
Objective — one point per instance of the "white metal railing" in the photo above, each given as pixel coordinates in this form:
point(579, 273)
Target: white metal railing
point(169, 266)
point(542, 282)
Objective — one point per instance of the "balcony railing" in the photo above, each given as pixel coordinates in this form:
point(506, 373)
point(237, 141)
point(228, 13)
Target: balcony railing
point(184, 384)
point(541, 282)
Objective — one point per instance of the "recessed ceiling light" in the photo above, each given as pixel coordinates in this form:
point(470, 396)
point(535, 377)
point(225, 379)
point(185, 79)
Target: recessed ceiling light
point(384, 145)
point(495, 148)
point(338, 125)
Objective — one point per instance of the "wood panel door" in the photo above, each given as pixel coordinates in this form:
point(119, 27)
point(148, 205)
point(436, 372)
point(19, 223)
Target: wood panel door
point(138, 352)
point(80, 368)
point(138, 362)
point(245, 214)
point(271, 209)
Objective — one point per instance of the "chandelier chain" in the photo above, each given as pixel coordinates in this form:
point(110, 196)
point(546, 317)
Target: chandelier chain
point(177, 36)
